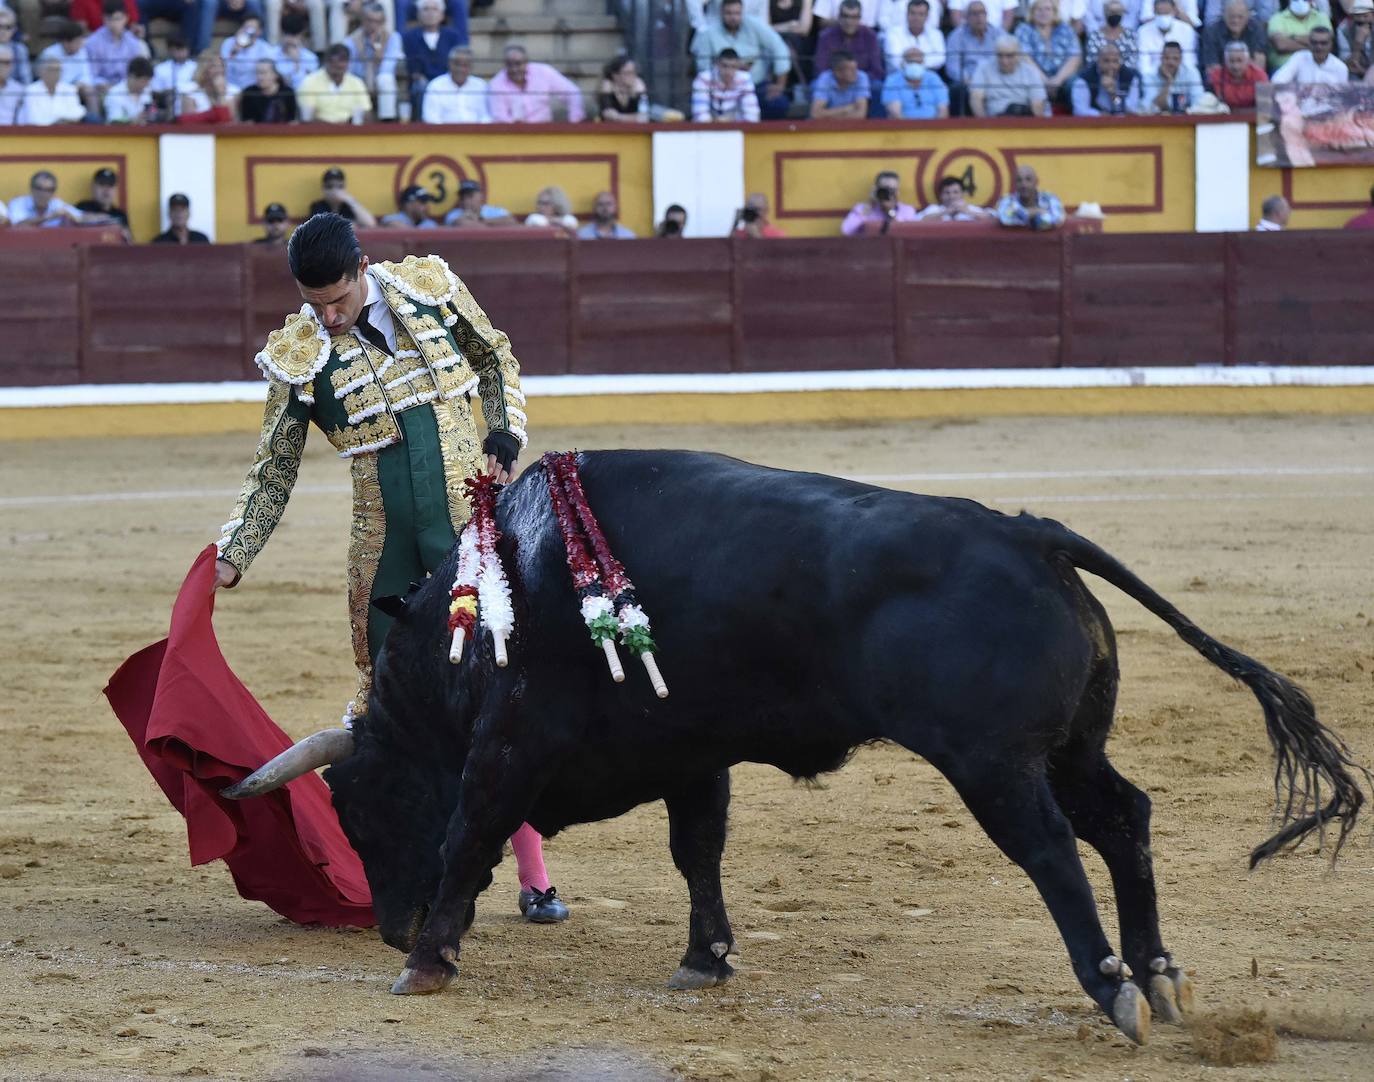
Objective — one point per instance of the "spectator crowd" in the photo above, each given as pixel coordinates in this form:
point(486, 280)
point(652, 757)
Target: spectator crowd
point(351, 61)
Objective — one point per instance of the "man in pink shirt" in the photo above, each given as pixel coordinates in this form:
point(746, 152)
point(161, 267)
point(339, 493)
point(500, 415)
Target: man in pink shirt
point(524, 92)
point(875, 215)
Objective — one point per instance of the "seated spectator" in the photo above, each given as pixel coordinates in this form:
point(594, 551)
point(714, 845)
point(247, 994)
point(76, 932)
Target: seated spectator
point(1355, 42)
point(427, 48)
point(414, 210)
point(843, 92)
point(100, 207)
point(1290, 30)
point(914, 92)
point(275, 229)
point(1365, 219)
point(968, 46)
point(1009, 85)
point(332, 95)
point(11, 89)
point(1175, 87)
point(1028, 207)
point(70, 51)
point(622, 96)
point(213, 10)
point(526, 92)
point(1236, 24)
point(1184, 11)
point(552, 207)
point(828, 12)
point(335, 198)
point(953, 205)
point(130, 101)
point(1234, 81)
point(41, 207)
point(724, 92)
point(764, 54)
point(176, 71)
point(303, 13)
point(1052, 47)
point(848, 34)
point(674, 224)
point(1315, 64)
point(243, 50)
point(1274, 214)
point(1114, 30)
point(377, 52)
point(915, 32)
point(295, 63)
point(89, 13)
point(21, 69)
point(1263, 10)
point(269, 100)
point(458, 97)
point(1107, 87)
point(211, 98)
point(1164, 27)
point(178, 230)
point(604, 225)
point(752, 220)
point(48, 100)
point(186, 14)
point(456, 16)
point(1001, 14)
point(472, 208)
point(792, 20)
point(876, 214)
point(110, 48)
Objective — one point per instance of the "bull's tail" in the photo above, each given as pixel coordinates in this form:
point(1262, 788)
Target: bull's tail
point(1312, 764)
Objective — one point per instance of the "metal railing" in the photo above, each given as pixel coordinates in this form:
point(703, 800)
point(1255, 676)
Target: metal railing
point(656, 35)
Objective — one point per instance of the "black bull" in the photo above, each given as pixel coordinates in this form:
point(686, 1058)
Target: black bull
point(798, 616)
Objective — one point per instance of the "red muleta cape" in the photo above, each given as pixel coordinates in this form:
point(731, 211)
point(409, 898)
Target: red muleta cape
point(198, 729)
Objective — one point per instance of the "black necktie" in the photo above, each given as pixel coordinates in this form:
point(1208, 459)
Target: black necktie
point(371, 333)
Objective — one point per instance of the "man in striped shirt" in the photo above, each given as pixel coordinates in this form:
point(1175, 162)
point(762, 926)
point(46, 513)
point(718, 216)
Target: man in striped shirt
point(725, 93)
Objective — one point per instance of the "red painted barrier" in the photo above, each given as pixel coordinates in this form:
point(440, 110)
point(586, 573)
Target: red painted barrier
point(112, 314)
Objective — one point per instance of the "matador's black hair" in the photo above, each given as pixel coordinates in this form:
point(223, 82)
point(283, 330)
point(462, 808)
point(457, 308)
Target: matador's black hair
point(322, 250)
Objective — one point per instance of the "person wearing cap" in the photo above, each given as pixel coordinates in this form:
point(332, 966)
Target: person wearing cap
point(1233, 81)
point(472, 208)
point(337, 199)
point(274, 219)
point(178, 231)
point(383, 358)
point(414, 210)
point(101, 204)
point(1355, 39)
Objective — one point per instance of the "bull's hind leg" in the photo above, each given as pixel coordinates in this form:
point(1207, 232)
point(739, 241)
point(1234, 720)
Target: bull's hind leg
point(1113, 816)
point(696, 833)
point(1013, 803)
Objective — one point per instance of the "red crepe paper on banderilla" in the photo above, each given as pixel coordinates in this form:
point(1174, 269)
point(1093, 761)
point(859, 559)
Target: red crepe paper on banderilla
point(198, 729)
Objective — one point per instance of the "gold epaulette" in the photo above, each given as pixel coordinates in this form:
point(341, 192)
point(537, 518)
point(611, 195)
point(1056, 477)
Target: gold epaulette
point(297, 351)
point(426, 279)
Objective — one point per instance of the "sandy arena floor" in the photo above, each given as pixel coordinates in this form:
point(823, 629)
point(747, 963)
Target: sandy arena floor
point(883, 935)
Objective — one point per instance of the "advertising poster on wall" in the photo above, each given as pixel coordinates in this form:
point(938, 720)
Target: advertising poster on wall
point(1312, 124)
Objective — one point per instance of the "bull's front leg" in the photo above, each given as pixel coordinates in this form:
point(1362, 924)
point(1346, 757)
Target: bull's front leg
point(696, 824)
point(493, 798)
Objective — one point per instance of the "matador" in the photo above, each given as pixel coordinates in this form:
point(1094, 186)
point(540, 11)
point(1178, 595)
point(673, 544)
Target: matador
point(383, 358)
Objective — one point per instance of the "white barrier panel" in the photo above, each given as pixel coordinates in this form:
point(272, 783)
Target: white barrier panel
point(704, 172)
point(1221, 178)
point(186, 164)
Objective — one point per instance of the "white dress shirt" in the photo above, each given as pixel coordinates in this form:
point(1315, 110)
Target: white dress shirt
point(892, 14)
point(121, 107)
point(1152, 40)
point(448, 103)
point(11, 98)
point(378, 314)
point(42, 109)
point(76, 67)
point(931, 43)
point(1301, 68)
point(169, 75)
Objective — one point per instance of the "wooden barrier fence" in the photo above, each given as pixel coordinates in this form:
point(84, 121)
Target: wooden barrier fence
point(114, 314)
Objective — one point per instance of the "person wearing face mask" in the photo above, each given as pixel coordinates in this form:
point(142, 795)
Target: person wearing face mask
point(1116, 33)
point(1164, 26)
point(1186, 10)
point(914, 92)
point(1290, 30)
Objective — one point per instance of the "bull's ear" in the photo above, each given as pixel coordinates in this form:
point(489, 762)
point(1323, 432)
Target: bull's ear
point(392, 605)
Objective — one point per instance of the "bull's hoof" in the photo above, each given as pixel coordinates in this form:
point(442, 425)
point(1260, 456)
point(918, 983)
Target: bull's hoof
point(1131, 1013)
point(1183, 989)
point(689, 980)
point(1164, 1003)
point(421, 982)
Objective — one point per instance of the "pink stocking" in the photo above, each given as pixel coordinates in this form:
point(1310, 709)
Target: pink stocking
point(529, 858)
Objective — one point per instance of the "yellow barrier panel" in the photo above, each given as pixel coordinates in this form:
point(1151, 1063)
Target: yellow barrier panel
point(253, 170)
point(1322, 198)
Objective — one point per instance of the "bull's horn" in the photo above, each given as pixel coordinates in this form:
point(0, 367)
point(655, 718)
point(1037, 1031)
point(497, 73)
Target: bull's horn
point(321, 749)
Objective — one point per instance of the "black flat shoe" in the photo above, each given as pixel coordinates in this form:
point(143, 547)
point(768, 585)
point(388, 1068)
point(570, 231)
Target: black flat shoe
point(542, 906)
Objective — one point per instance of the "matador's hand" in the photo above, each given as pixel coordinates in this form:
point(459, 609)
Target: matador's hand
point(226, 574)
point(502, 450)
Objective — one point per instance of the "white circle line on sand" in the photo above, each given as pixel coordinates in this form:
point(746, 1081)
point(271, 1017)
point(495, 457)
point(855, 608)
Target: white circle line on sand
point(972, 477)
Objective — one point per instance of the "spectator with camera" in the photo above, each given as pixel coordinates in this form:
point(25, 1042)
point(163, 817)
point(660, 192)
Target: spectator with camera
point(242, 51)
point(674, 224)
point(335, 198)
point(876, 214)
point(953, 206)
point(295, 62)
point(1027, 207)
point(914, 92)
point(724, 93)
point(1107, 87)
point(751, 220)
point(843, 92)
point(1008, 85)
